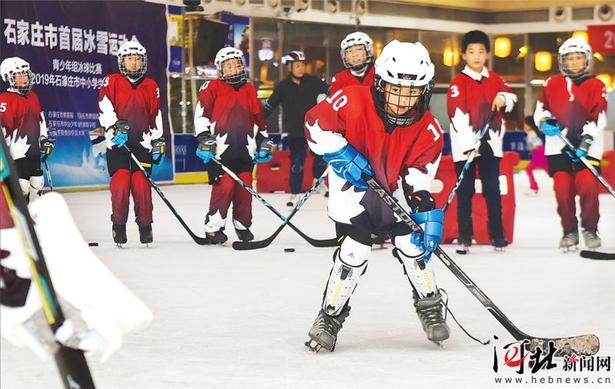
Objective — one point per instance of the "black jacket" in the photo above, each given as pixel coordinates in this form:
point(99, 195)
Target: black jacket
point(296, 100)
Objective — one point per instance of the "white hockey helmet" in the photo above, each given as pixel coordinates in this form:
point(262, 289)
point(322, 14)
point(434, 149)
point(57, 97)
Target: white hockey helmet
point(404, 64)
point(575, 45)
point(129, 48)
point(12, 66)
point(357, 39)
point(293, 56)
point(228, 53)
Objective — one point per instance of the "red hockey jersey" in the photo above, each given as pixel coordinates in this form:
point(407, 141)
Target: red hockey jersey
point(410, 153)
point(138, 103)
point(345, 78)
point(469, 99)
point(22, 122)
point(579, 107)
point(234, 117)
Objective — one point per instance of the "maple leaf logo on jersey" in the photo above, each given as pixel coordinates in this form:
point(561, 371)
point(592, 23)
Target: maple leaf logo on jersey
point(18, 145)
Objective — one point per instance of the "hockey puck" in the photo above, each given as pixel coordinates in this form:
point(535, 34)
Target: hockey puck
point(289, 250)
point(461, 252)
point(93, 244)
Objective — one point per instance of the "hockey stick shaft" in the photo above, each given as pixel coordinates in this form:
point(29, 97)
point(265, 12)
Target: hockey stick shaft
point(48, 173)
point(586, 344)
point(589, 166)
point(313, 242)
point(266, 242)
point(71, 363)
point(197, 239)
point(468, 163)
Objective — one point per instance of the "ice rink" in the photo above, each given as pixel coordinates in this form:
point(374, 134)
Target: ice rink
point(230, 319)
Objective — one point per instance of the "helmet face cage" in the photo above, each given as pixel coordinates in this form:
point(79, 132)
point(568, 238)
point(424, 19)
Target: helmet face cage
point(413, 114)
point(561, 59)
point(21, 89)
point(136, 74)
point(11, 68)
point(236, 78)
point(369, 57)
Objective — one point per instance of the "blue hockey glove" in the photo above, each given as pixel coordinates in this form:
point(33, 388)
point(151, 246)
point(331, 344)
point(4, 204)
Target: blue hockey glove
point(432, 224)
point(581, 152)
point(349, 164)
point(206, 149)
point(550, 127)
point(120, 133)
point(46, 147)
point(158, 150)
point(263, 154)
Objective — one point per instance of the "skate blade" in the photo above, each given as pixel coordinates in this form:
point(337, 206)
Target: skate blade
point(438, 343)
point(313, 345)
point(499, 249)
point(569, 249)
point(119, 245)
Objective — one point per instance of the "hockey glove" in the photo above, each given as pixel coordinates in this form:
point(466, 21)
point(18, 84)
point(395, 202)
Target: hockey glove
point(46, 147)
point(206, 149)
point(550, 127)
point(431, 222)
point(349, 164)
point(120, 133)
point(263, 154)
point(214, 173)
point(158, 150)
point(581, 151)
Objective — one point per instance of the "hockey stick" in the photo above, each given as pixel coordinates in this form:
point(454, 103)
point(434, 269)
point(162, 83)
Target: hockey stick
point(314, 242)
point(240, 245)
point(468, 163)
point(71, 363)
point(48, 173)
point(581, 345)
point(588, 165)
point(197, 239)
point(598, 255)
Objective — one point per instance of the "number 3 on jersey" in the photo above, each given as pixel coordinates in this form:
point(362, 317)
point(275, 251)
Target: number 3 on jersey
point(337, 101)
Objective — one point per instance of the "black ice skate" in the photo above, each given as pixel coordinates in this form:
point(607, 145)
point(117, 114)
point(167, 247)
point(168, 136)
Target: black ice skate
point(569, 241)
point(429, 309)
point(216, 237)
point(464, 243)
point(499, 243)
point(325, 329)
point(145, 234)
point(119, 234)
point(245, 235)
point(592, 240)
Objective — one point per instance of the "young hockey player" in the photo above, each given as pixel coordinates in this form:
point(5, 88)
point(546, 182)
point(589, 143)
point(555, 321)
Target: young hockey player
point(230, 126)
point(385, 131)
point(23, 125)
point(536, 145)
point(357, 54)
point(472, 97)
point(129, 108)
point(297, 93)
point(574, 105)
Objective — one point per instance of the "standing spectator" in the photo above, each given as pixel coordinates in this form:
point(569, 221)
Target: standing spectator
point(230, 126)
point(535, 144)
point(574, 105)
point(472, 97)
point(297, 94)
point(129, 110)
point(23, 126)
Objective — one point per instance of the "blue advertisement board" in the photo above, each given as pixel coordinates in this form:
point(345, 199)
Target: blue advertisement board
point(71, 46)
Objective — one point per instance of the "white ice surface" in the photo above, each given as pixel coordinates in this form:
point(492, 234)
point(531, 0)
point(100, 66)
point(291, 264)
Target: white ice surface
point(230, 319)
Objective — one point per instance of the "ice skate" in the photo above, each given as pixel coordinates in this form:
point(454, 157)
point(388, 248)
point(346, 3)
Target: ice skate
point(499, 243)
point(464, 244)
point(244, 235)
point(119, 234)
point(325, 329)
point(429, 309)
point(216, 237)
point(591, 239)
point(293, 200)
point(569, 242)
point(145, 234)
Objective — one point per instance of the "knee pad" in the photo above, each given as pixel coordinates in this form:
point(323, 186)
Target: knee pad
point(342, 283)
point(354, 253)
point(421, 276)
point(37, 183)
